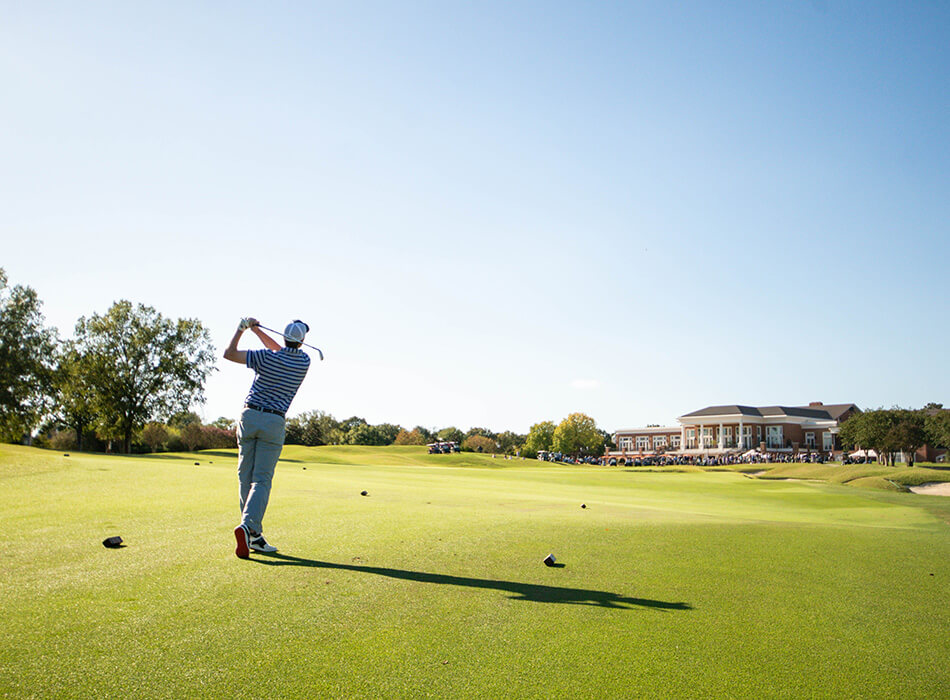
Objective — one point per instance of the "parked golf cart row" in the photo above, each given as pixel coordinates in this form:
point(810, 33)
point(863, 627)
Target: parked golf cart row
point(443, 448)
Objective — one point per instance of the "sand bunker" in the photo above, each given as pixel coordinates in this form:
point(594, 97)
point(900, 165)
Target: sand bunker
point(937, 488)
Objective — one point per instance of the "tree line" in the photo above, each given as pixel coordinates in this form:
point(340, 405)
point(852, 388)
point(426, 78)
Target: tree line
point(128, 377)
point(576, 435)
point(122, 370)
point(897, 430)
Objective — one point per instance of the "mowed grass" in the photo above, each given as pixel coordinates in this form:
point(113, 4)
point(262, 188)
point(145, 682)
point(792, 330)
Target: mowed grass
point(673, 584)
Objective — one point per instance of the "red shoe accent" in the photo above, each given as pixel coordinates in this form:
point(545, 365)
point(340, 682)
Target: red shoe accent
point(242, 551)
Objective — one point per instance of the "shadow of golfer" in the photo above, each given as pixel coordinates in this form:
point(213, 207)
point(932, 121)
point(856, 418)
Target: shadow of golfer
point(521, 591)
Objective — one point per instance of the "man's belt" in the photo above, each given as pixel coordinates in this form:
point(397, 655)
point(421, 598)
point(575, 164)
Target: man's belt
point(265, 410)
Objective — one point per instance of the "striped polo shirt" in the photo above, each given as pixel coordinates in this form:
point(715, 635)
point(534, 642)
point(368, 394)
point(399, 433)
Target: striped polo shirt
point(277, 376)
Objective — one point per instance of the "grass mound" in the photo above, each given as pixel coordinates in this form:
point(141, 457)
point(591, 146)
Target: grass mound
point(877, 482)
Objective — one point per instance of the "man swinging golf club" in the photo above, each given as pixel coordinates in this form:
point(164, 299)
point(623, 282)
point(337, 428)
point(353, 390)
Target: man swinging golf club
point(278, 373)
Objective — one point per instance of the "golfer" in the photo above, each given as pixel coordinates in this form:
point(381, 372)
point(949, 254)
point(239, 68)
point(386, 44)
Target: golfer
point(278, 373)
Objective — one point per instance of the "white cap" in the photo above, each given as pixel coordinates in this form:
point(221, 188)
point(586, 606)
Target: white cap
point(296, 331)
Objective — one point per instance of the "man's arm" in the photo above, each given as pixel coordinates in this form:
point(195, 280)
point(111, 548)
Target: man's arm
point(269, 342)
point(231, 352)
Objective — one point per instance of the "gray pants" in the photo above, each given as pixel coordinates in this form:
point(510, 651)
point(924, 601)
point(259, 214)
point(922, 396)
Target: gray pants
point(260, 440)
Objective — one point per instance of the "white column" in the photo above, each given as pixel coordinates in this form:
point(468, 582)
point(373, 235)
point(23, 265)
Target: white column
point(682, 437)
point(720, 436)
point(740, 440)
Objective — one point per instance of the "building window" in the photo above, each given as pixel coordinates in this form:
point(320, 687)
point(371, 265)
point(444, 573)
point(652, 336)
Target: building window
point(773, 436)
point(758, 433)
point(659, 441)
point(643, 442)
point(675, 442)
point(827, 442)
point(809, 439)
point(746, 436)
point(691, 438)
point(707, 437)
point(625, 444)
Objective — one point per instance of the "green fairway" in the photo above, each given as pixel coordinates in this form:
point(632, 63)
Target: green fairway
point(673, 584)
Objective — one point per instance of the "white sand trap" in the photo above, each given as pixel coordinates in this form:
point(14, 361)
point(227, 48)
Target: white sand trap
point(937, 488)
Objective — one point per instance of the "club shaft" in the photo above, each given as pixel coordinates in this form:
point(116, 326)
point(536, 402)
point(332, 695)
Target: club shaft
point(265, 328)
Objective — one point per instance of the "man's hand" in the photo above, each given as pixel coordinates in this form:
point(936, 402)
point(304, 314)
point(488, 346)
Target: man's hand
point(246, 323)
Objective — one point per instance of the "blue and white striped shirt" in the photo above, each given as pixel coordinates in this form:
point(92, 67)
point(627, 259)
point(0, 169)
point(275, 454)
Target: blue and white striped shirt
point(278, 375)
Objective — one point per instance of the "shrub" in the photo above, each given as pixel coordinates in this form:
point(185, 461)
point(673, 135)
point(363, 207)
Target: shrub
point(479, 443)
point(63, 440)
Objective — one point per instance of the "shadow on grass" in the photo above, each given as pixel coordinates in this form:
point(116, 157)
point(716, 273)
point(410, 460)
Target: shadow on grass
point(522, 591)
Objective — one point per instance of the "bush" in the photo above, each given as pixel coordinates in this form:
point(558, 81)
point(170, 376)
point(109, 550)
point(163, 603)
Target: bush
point(154, 435)
point(479, 443)
point(410, 438)
point(213, 437)
point(63, 440)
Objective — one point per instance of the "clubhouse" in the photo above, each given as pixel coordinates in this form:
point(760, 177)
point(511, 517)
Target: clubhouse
point(720, 430)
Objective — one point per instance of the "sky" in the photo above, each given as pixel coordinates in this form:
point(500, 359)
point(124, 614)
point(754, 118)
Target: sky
point(498, 213)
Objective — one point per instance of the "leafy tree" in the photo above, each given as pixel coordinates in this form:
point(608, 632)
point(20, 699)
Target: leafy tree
point(73, 403)
point(214, 437)
point(937, 425)
point(450, 434)
point(414, 437)
point(224, 423)
point(427, 435)
point(26, 361)
point(510, 443)
point(312, 428)
point(183, 418)
point(389, 432)
point(540, 437)
point(886, 431)
point(192, 436)
point(142, 366)
point(578, 434)
point(908, 434)
point(484, 432)
point(479, 443)
point(154, 435)
point(365, 434)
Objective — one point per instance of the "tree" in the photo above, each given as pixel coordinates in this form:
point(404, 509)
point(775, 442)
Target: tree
point(908, 434)
point(312, 428)
point(479, 443)
point(540, 437)
point(484, 432)
point(886, 431)
point(389, 431)
point(450, 434)
point(214, 437)
point(365, 434)
point(414, 437)
point(224, 423)
point(938, 428)
point(26, 361)
point(192, 436)
point(577, 434)
point(142, 366)
point(183, 418)
point(73, 403)
point(510, 443)
point(154, 435)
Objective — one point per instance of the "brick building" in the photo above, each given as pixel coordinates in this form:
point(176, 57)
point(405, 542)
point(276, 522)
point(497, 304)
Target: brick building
point(719, 430)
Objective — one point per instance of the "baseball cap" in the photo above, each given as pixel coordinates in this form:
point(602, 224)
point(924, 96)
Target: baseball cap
point(296, 331)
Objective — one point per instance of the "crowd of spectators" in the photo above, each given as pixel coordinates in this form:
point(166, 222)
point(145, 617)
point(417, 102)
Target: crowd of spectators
point(755, 457)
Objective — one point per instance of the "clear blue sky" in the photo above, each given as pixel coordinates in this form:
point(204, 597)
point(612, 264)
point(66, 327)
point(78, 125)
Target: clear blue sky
point(499, 213)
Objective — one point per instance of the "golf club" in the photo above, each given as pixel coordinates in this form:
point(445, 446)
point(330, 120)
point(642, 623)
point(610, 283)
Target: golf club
point(265, 328)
